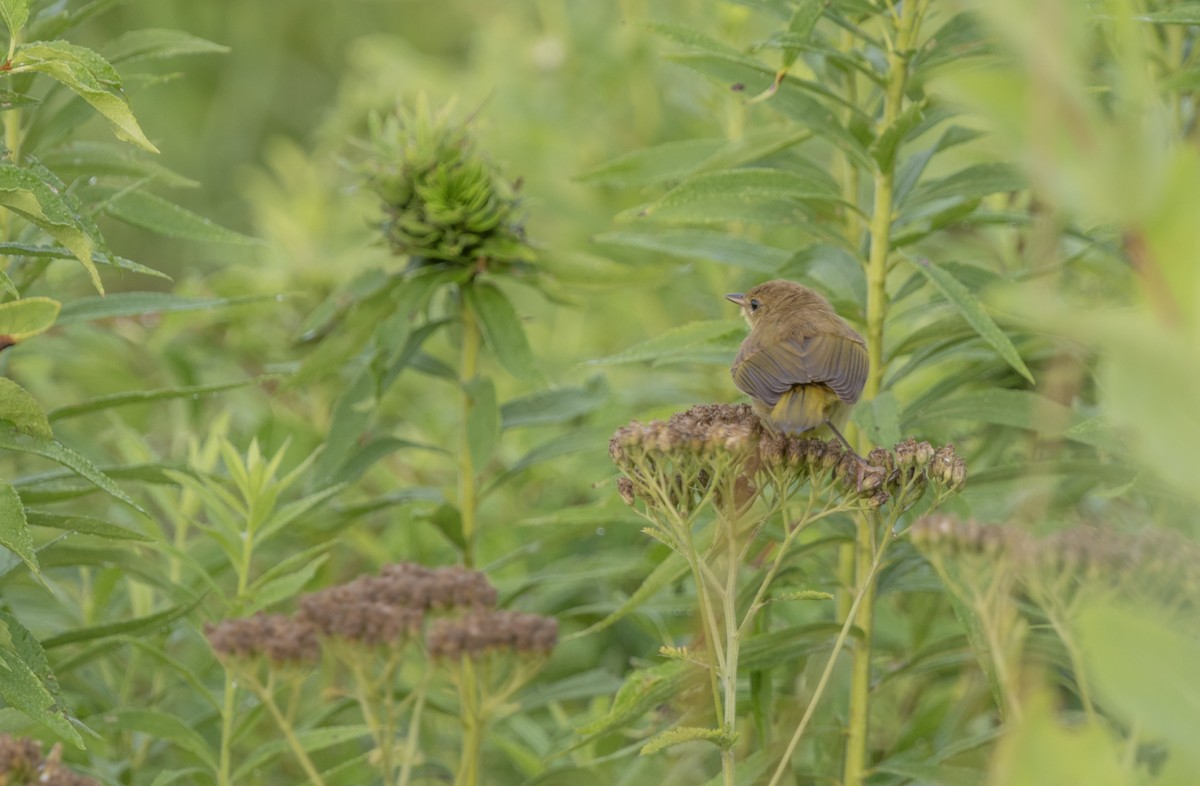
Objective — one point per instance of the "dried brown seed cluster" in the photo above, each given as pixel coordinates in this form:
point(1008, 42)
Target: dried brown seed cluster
point(390, 607)
point(675, 460)
point(281, 638)
point(480, 632)
point(699, 432)
point(951, 535)
point(1145, 562)
point(21, 762)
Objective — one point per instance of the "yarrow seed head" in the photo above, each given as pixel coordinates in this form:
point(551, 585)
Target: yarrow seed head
point(21, 762)
point(478, 633)
point(282, 639)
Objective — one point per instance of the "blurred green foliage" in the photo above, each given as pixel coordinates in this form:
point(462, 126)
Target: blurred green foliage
point(1042, 311)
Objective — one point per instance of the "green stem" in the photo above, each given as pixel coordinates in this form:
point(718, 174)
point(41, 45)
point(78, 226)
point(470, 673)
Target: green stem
point(225, 759)
point(907, 25)
point(729, 677)
point(467, 501)
point(473, 723)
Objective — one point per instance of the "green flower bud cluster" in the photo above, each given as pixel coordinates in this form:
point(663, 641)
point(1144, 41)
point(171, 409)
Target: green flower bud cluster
point(441, 198)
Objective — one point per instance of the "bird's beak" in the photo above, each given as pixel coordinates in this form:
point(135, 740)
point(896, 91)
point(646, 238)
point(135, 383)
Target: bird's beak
point(736, 297)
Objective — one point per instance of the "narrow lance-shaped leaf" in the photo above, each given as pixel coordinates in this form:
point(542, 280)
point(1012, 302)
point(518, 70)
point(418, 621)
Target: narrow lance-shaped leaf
point(54, 450)
point(26, 682)
point(502, 330)
point(89, 76)
point(157, 42)
point(971, 309)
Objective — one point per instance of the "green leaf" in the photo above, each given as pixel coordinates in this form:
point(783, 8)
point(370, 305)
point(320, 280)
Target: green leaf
point(264, 594)
point(673, 161)
point(14, 528)
point(1174, 14)
point(973, 312)
point(373, 451)
point(158, 43)
point(652, 165)
point(1145, 669)
point(887, 145)
point(665, 573)
point(782, 647)
point(84, 525)
point(42, 204)
point(21, 410)
point(57, 452)
point(448, 521)
point(973, 182)
point(483, 420)
point(675, 341)
point(155, 214)
point(681, 734)
point(26, 682)
point(800, 28)
point(127, 304)
point(139, 625)
point(748, 194)
point(1021, 409)
point(502, 330)
point(22, 319)
point(143, 396)
point(89, 76)
point(156, 725)
point(702, 244)
point(85, 159)
point(16, 14)
point(800, 595)
point(554, 406)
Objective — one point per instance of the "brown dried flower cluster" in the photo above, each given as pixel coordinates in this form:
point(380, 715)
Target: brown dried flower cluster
point(282, 639)
point(682, 454)
point(21, 762)
point(481, 632)
point(387, 610)
point(390, 607)
point(1147, 561)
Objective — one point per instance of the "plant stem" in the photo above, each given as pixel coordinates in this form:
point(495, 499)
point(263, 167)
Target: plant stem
point(729, 597)
point(466, 469)
point(473, 721)
point(907, 26)
point(838, 643)
point(225, 760)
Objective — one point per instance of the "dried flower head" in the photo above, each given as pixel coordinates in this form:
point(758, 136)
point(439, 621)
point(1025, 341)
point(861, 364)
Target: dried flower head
point(21, 762)
point(442, 199)
point(478, 633)
point(282, 639)
point(951, 535)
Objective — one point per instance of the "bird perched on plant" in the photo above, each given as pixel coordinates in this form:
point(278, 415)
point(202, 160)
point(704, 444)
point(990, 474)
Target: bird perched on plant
point(802, 365)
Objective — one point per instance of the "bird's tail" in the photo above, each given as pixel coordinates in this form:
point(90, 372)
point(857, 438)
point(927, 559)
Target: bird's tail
point(806, 407)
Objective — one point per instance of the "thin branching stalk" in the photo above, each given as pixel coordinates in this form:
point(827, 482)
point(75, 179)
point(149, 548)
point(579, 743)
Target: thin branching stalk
point(267, 694)
point(838, 644)
point(471, 713)
point(228, 707)
point(412, 737)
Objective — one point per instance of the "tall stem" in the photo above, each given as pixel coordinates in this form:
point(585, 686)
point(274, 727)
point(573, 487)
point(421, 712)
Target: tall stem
point(731, 649)
point(907, 25)
point(473, 720)
point(225, 760)
point(466, 468)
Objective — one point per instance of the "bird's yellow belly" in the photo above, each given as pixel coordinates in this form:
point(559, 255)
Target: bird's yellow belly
point(803, 408)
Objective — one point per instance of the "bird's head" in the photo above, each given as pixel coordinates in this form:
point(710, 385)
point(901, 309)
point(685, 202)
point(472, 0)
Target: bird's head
point(774, 299)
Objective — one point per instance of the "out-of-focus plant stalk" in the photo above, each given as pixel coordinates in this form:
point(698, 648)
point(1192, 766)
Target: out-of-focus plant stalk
point(467, 500)
point(908, 20)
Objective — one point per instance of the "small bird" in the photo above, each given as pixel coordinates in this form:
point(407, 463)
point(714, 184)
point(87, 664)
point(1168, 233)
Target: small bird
point(802, 365)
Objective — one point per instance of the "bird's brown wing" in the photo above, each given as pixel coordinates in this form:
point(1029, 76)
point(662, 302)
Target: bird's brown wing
point(766, 372)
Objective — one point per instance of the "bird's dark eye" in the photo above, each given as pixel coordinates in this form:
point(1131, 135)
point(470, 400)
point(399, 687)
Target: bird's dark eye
point(754, 304)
